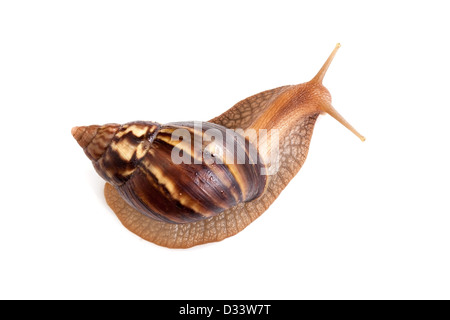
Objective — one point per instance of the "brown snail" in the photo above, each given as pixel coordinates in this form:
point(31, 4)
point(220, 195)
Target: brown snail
point(205, 197)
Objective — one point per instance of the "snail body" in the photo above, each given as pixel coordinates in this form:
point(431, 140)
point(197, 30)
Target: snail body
point(180, 204)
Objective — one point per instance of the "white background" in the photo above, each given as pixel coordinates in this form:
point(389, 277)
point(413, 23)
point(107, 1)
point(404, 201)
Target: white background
point(361, 220)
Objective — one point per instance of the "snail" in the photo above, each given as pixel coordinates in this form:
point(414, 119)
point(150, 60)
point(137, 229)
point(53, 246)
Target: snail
point(173, 194)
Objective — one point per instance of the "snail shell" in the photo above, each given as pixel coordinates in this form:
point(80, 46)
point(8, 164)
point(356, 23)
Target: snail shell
point(137, 159)
point(200, 212)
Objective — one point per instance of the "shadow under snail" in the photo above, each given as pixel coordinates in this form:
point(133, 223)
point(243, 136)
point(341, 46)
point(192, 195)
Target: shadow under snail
point(207, 199)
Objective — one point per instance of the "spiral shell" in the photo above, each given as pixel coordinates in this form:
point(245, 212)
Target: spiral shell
point(138, 159)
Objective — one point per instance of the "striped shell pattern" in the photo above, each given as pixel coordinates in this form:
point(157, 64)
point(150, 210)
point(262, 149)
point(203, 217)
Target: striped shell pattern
point(137, 159)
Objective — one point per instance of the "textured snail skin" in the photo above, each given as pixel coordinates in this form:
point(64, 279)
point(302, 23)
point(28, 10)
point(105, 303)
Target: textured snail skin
point(293, 151)
point(293, 111)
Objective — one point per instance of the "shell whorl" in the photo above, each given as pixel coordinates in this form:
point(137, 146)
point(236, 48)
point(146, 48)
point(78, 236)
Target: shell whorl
point(95, 139)
point(114, 149)
point(137, 159)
